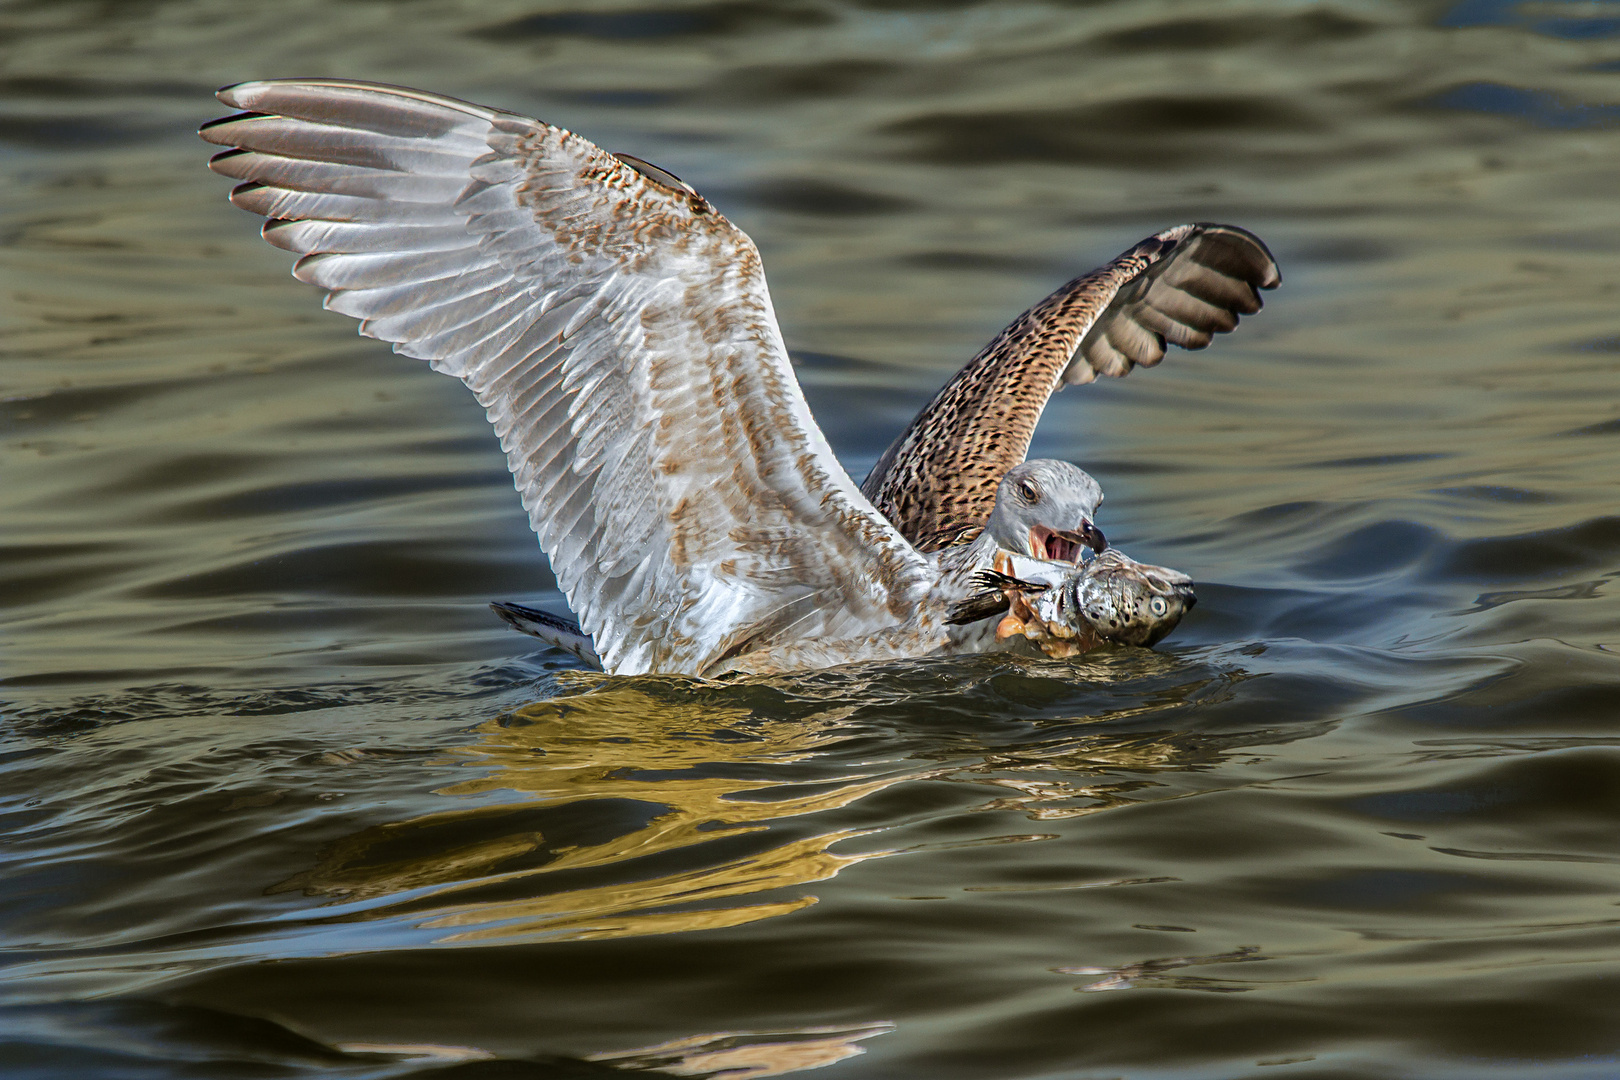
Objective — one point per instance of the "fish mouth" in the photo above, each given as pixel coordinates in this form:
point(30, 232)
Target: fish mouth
point(1064, 545)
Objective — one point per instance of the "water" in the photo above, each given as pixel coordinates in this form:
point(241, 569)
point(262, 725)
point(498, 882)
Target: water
point(283, 799)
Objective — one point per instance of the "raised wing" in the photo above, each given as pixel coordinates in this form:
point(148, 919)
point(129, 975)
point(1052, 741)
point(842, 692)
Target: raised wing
point(619, 333)
point(1184, 285)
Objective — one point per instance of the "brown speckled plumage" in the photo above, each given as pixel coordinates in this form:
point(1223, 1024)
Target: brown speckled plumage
point(938, 479)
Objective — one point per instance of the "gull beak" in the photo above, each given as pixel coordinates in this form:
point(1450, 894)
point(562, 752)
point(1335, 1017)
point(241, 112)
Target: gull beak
point(1089, 536)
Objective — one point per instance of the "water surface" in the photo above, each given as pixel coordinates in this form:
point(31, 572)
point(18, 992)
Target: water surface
point(281, 798)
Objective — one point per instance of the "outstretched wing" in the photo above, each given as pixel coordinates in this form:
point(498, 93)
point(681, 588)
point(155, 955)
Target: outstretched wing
point(1183, 286)
point(619, 333)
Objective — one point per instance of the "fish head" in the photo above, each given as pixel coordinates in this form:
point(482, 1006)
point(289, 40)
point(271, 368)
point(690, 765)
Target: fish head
point(1118, 599)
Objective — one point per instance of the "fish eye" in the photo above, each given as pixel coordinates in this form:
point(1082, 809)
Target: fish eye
point(1158, 606)
point(1029, 491)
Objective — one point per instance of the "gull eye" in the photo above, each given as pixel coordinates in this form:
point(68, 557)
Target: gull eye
point(1158, 606)
point(1029, 491)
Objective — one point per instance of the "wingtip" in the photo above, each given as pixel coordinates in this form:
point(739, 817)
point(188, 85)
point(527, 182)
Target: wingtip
point(243, 95)
point(217, 163)
point(204, 132)
point(232, 95)
point(1273, 274)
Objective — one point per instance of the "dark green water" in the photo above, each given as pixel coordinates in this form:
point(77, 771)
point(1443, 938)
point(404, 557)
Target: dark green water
point(282, 799)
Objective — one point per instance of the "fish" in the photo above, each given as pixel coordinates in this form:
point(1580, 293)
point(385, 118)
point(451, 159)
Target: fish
point(1068, 611)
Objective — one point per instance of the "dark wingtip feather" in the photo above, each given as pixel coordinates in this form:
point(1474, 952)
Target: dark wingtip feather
point(207, 130)
point(223, 156)
point(1261, 265)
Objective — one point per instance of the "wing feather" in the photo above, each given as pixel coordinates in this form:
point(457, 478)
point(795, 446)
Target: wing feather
point(292, 174)
point(275, 202)
point(1181, 286)
point(385, 300)
point(300, 139)
point(387, 269)
point(360, 237)
point(620, 336)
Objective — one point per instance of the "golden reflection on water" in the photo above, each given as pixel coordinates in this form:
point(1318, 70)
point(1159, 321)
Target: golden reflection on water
point(745, 1055)
point(670, 770)
point(736, 1055)
point(616, 743)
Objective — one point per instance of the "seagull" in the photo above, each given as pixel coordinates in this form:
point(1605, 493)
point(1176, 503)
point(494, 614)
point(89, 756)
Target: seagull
point(618, 331)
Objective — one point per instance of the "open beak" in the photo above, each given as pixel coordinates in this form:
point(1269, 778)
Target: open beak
point(1065, 545)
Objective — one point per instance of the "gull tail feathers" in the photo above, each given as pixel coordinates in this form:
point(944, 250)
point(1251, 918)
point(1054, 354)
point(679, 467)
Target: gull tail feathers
point(555, 630)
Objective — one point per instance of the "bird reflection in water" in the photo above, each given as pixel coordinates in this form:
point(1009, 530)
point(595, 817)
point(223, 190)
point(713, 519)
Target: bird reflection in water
point(661, 790)
point(659, 805)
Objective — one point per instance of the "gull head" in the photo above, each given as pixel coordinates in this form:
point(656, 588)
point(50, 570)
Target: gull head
point(1044, 510)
